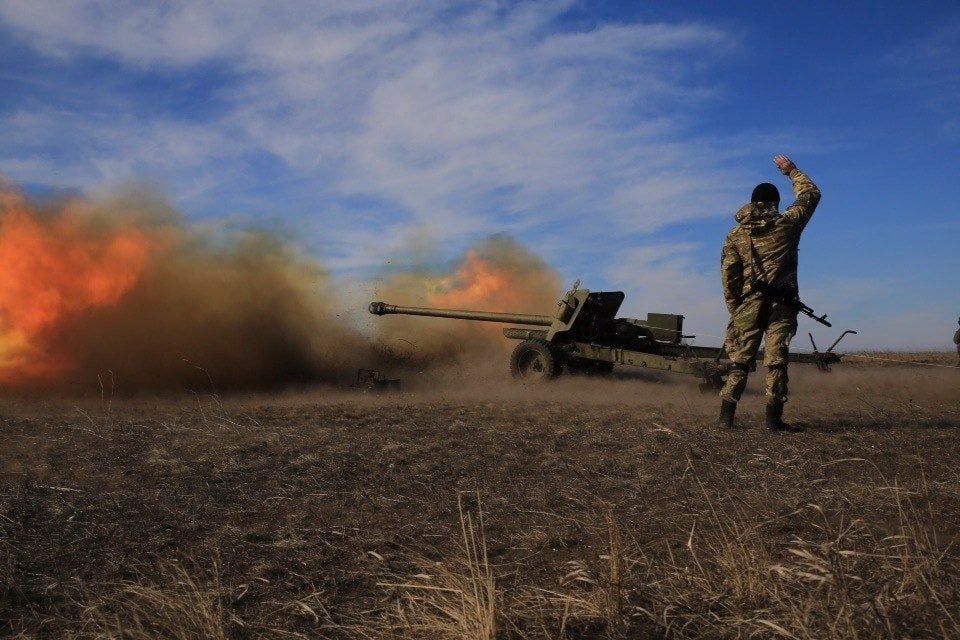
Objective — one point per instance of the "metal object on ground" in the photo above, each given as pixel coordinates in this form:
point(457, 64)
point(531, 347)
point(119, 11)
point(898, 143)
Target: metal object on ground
point(585, 336)
point(373, 380)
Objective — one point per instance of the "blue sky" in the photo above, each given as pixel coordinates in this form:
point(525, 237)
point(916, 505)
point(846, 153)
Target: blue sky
point(614, 139)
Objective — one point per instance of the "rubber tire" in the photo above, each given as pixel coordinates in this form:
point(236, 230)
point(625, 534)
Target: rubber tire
point(535, 360)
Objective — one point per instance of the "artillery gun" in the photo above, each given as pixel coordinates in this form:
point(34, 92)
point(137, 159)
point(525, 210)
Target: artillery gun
point(584, 335)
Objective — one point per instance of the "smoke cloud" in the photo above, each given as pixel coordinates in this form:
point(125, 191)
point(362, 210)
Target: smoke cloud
point(120, 293)
point(498, 274)
point(188, 308)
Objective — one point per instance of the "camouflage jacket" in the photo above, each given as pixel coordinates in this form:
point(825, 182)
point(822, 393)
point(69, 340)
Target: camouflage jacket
point(763, 245)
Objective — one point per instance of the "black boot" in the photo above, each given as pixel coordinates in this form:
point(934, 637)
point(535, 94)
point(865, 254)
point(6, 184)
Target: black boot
point(774, 421)
point(727, 411)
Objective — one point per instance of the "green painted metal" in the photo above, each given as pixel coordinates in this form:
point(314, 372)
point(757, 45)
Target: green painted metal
point(584, 334)
point(382, 308)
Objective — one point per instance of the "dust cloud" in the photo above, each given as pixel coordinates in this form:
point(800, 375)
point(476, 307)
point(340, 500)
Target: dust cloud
point(498, 274)
point(120, 294)
point(188, 307)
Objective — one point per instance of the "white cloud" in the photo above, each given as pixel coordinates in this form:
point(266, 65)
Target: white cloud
point(446, 120)
point(666, 278)
point(464, 118)
point(107, 150)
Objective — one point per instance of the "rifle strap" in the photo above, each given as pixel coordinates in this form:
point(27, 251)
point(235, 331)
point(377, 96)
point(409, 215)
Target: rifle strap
point(757, 272)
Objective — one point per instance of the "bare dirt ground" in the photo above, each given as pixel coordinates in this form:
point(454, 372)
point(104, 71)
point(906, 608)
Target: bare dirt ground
point(469, 506)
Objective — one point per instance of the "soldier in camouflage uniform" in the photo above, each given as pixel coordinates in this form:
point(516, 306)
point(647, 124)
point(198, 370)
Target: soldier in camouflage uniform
point(762, 248)
point(956, 341)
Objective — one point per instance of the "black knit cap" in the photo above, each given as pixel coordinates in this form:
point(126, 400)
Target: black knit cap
point(765, 192)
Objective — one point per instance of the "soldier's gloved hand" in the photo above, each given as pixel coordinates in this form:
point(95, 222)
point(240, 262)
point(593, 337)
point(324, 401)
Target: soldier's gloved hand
point(784, 163)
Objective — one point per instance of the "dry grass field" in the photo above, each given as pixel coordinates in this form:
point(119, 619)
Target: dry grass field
point(469, 506)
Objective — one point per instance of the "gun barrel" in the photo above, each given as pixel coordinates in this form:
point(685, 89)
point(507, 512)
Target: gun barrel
point(382, 308)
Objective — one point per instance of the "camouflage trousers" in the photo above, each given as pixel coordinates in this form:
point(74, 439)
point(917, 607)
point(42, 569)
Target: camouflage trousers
point(754, 320)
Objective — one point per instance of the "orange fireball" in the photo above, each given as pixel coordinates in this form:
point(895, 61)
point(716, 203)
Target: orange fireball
point(476, 284)
point(53, 268)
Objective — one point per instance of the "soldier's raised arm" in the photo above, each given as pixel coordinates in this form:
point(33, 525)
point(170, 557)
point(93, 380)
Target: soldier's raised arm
point(806, 192)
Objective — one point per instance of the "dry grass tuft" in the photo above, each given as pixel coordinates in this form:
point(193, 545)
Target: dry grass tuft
point(456, 600)
point(851, 580)
point(181, 608)
point(590, 600)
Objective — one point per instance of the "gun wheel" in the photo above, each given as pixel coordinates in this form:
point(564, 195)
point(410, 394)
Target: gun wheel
point(535, 360)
